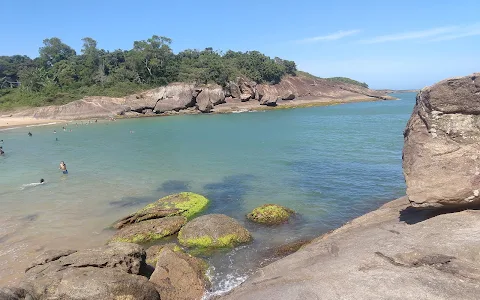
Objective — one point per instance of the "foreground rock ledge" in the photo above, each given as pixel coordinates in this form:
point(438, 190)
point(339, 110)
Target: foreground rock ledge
point(395, 252)
point(441, 154)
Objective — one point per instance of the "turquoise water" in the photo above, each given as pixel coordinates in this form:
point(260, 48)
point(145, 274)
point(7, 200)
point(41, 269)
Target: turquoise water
point(330, 164)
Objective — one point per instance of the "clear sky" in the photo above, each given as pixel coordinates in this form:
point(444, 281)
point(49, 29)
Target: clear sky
point(388, 44)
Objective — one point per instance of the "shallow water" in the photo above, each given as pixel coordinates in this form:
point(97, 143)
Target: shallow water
point(330, 164)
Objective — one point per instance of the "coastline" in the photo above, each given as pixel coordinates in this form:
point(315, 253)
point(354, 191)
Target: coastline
point(13, 120)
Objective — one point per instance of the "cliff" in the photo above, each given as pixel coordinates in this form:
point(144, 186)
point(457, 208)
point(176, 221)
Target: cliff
point(191, 98)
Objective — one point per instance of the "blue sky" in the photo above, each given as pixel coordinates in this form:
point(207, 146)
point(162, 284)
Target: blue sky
point(388, 44)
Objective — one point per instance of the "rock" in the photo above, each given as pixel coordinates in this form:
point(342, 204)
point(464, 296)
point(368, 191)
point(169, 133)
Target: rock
point(14, 293)
point(245, 97)
point(179, 276)
point(270, 214)
point(150, 230)
point(441, 153)
point(183, 204)
point(290, 248)
point(125, 257)
point(395, 252)
point(267, 95)
point(107, 272)
point(154, 251)
point(288, 96)
point(212, 231)
point(89, 283)
point(177, 96)
point(234, 90)
point(209, 96)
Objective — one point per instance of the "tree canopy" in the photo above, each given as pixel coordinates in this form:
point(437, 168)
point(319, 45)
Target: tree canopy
point(59, 74)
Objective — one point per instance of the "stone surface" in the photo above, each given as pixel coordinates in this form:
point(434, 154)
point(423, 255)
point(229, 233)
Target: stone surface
point(209, 96)
point(176, 96)
point(108, 272)
point(270, 214)
point(179, 276)
point(214, 230)
point(13, 293)
point(395, 252)
point(182, 204)
point(154, 251)
point(441, 153)
point(150, 230)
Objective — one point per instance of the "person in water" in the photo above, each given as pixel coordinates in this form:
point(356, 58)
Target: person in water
point(1, 151)
point(63, 167)
point(29, 133)
point(42, 181)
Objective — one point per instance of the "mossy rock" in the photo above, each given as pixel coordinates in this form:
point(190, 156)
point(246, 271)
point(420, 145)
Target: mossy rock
point(213, 231)
point(150, 230)
point(270, 214)
point(185, 204)
point(154, 251)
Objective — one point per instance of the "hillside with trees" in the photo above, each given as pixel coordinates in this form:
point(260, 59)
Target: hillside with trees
point(60, 75)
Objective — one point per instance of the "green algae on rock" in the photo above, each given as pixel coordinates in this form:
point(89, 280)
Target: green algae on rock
point(270, 214)
point(213, 231)
point(185, 204)
point(150, 230)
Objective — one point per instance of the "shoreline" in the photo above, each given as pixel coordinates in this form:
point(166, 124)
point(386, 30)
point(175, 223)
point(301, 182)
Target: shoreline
point(11, 121)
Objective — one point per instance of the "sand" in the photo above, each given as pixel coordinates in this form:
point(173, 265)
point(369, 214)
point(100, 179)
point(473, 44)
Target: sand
point(15, 122)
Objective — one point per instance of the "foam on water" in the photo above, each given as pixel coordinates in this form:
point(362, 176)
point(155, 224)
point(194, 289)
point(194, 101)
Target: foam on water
point(330, 164)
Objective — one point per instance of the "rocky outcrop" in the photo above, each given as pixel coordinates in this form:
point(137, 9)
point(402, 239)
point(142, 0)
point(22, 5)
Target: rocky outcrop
point(179, 276)
point(14, 293)
point(185, 204)
point(190, 98)
point(442, 145)
point(154, 251)
point(150, 230)
point(108, 272)
point(395, 252)
point(213, 231)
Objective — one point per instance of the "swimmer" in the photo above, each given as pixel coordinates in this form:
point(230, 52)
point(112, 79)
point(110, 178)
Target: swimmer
point(56, 139)
point(63, 167)
point(1, 151)
point(54, 131)
point(29, 133)
point(42, 181)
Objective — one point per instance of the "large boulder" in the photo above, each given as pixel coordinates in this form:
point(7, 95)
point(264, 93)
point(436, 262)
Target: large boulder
point(108, 272)
point(212, 231)
point(441, 153)
point(182, 204)
point(395, 252)
point(154, 251)
point(179, 276)
point(150, 230)
point(267, 95)
point(270, 214)
point(209, 96)
point(175, 96)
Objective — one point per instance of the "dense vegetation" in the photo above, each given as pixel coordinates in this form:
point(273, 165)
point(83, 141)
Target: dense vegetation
point(59, 75)
point(348, 80)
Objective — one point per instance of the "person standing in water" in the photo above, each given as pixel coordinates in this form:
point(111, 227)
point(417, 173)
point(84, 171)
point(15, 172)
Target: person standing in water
point(63, 167)
point(1, 151)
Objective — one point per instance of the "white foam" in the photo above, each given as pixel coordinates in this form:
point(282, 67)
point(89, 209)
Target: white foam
point(227, 283)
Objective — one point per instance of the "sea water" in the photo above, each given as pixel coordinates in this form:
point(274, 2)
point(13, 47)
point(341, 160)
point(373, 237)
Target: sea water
point(329, 164)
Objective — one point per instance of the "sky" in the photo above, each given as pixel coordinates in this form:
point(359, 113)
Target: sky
point(387, 44)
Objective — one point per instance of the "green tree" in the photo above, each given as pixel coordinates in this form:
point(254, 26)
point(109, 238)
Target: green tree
point(54, 51)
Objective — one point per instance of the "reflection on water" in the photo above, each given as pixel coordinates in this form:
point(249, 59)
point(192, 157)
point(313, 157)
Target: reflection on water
point(329, 164)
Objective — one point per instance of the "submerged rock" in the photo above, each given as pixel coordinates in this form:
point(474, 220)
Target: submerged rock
point(150, 230)
point(14, 293)
point(179, 276)
point(441, 154)
point(270, 214)
point(108, 272)
point(213, 230)
point(185, 204)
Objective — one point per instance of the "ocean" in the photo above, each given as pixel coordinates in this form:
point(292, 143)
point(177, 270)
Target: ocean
point(330, 164)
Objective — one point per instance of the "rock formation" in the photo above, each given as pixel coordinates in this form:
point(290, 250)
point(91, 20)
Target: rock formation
point(191, 98)
point(213, 231)
point(442, 145)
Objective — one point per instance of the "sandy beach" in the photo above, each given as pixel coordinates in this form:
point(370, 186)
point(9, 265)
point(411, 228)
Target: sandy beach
point(14, 122)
